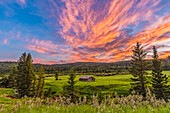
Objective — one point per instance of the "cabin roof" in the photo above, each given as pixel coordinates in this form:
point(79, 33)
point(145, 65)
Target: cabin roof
point(85, 77)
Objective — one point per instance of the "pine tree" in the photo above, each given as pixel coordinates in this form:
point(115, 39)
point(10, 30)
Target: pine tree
point(159, 80)
point(4, 82)
point(56, 75)
point(12, 77)
point(69, 89)
point(25, 79)
point(40, 86)
point(48, 93)
point(21, 86)
point(138, 70)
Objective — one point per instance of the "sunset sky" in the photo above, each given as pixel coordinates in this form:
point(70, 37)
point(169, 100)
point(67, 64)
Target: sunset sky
point(66, 31)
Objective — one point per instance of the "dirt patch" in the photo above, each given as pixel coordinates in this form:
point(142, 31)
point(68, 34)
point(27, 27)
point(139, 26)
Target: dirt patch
point(9, 96)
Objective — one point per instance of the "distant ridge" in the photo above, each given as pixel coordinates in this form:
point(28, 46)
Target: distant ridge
point(76, 63)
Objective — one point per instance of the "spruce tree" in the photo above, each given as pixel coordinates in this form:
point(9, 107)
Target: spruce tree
point(21, 86)
point(48, 93)
point(40, 85)
point(25, 80)
point(159, 80)
point(31, 74)
point(12, 77)
point(56, 75)
point(138, 70)
point(69, 89)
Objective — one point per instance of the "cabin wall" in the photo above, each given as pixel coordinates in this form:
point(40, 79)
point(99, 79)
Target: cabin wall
point(89, 79)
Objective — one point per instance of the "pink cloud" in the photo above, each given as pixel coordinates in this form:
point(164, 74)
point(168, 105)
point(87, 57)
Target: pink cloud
point(21, 1)
point(5, 41)
point(42, 49)
point(99, 36)
point(8, 59)
point(44, 43)
point(43, 61)
point(48, 47)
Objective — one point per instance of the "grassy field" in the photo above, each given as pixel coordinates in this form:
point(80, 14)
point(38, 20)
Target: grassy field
point(108, 84)
point(104, 85)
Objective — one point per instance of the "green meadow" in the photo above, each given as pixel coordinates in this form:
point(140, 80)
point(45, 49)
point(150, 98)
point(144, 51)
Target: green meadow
point(106, 85)
point(102, 84)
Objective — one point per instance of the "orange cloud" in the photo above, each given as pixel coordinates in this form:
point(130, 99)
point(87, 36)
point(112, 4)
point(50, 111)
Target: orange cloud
point(109, 29)
point(43, 61)
point(100, 31)
point(49, 62)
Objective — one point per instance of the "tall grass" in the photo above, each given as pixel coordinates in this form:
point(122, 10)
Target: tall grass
point(132, 103)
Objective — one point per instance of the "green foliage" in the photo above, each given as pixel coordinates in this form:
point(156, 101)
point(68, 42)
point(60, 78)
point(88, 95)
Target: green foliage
point(69, 89)
point(56, 75)
point(159, 80)
point(138, 70)
point(6, 67)
point(12, 77)
point(41, 83)
point(5, 82)
point(26, 78)
point(48, 93)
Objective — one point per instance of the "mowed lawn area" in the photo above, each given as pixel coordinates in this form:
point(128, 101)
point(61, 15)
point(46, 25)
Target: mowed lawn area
point(102, 84)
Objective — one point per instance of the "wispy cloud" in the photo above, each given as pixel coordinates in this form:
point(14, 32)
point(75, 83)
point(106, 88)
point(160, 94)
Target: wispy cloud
point(99, 30)
point(21, 1)
point(42, 49)
point(106, 31)
point(42, 46)
point(5, 41)
point(45, 61)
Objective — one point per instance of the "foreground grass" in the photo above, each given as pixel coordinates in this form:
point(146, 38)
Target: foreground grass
point(87, 109)
point(132, 103)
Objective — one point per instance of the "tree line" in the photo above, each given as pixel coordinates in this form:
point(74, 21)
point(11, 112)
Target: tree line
point(82, 67)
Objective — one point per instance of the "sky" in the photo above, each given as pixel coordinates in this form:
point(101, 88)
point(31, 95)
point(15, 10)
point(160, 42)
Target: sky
point(67, 31)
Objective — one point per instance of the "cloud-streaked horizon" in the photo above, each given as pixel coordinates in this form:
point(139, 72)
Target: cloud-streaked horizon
point(65, 31)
